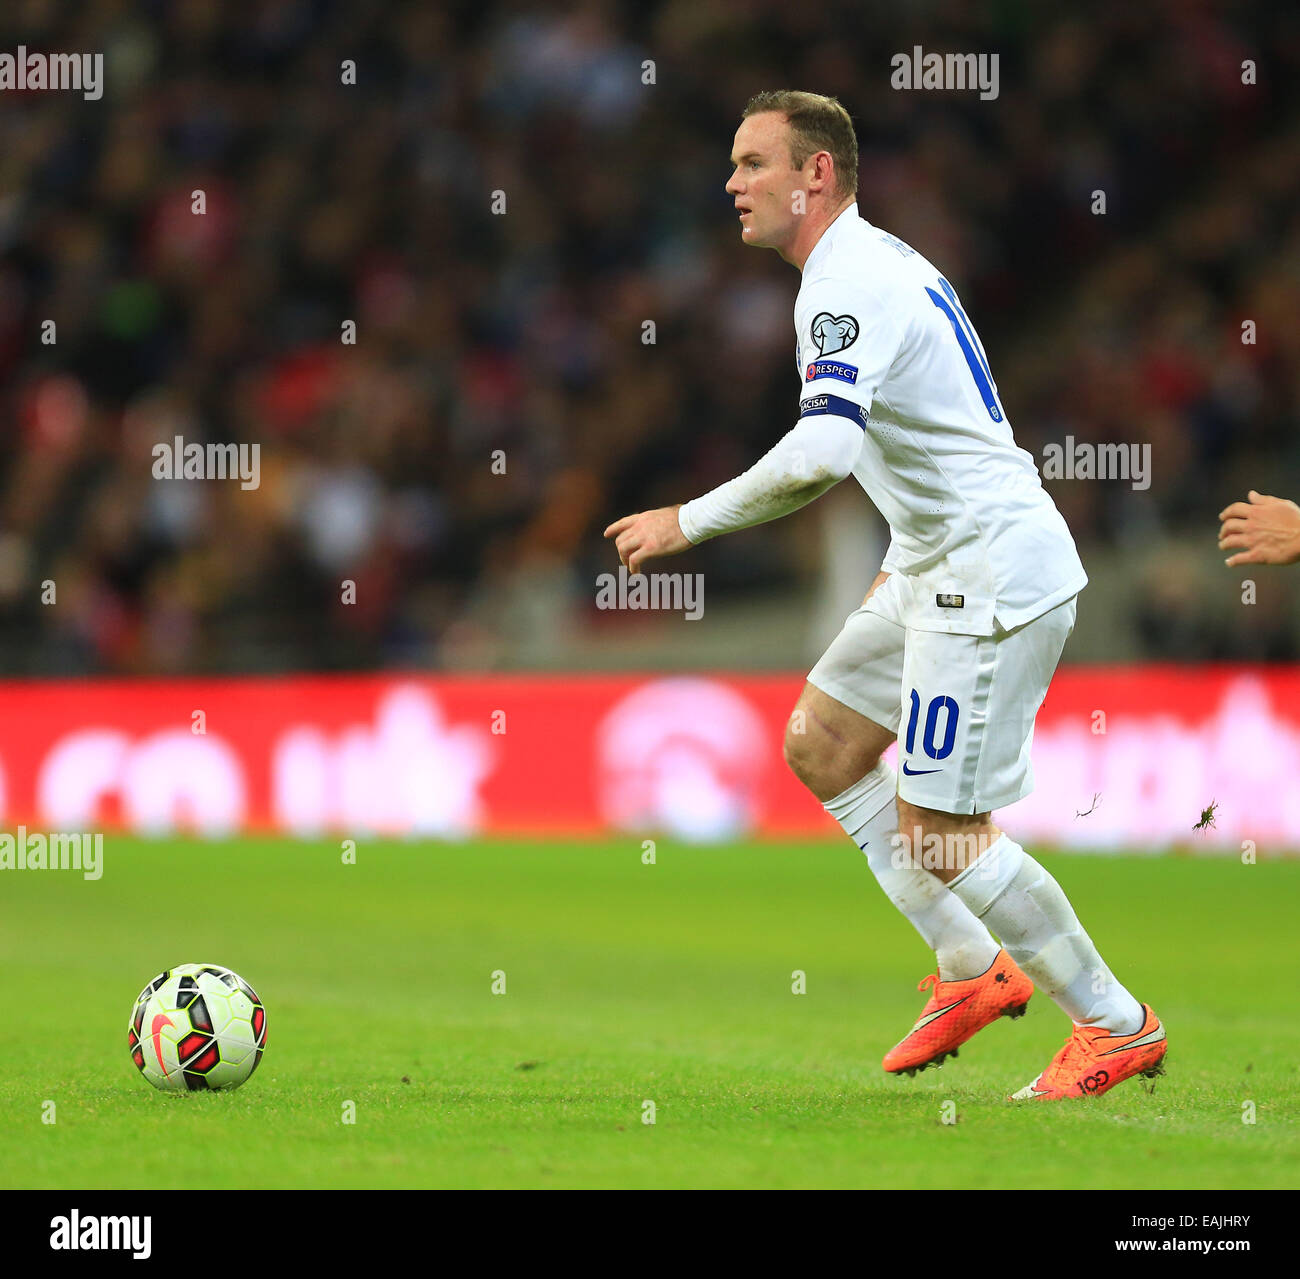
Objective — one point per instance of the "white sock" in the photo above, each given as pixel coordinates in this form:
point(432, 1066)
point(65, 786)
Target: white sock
point(868, 811)
point(1043, 935)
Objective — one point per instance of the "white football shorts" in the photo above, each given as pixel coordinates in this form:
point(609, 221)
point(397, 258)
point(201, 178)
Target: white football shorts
point(961, 706)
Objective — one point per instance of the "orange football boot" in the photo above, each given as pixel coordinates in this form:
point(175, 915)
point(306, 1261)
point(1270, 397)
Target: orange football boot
point(957, 1009)
point(1093, 1061)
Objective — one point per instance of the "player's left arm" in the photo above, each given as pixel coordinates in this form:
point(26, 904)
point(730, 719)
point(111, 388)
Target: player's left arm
point(809, 459)
point(1267, 529)
point(850, 339)
point(648, 535)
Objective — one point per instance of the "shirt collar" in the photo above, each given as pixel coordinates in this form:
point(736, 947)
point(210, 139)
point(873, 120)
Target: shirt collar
point(845, 217)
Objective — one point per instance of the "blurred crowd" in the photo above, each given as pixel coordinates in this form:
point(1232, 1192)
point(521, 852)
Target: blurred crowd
point(520, 208)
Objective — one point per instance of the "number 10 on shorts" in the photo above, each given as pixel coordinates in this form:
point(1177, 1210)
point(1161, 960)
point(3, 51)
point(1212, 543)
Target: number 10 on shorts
point(941, 705)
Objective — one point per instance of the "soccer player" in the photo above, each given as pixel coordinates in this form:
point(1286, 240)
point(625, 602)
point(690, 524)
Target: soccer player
point(955, 643)
point(1266, 528)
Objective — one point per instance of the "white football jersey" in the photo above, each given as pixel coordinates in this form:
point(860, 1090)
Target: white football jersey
point(882, 339)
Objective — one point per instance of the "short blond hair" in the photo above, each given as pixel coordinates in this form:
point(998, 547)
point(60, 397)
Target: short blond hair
point(817, 123)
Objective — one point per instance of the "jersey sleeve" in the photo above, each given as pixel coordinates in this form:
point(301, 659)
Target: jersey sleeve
point(848, 338)
point(801, 466)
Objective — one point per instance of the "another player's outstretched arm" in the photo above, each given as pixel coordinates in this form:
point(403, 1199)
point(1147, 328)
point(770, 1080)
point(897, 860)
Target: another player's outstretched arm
point(816, 455)
point(1267, 529)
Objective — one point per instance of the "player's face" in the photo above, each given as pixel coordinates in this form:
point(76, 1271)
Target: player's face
point(762, 182)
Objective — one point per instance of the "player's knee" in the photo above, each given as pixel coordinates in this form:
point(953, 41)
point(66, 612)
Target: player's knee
point(911, 816)
point(825, 766)
point(945, 843)
point(800, 756)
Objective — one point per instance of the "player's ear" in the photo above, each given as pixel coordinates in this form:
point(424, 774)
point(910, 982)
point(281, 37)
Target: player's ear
point(824, 169)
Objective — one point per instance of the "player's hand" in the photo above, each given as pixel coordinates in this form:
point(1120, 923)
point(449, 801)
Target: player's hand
point(646, 536)
point(1267, 529)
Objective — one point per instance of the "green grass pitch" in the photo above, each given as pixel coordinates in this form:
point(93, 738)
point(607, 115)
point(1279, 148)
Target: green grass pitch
point(626, 983)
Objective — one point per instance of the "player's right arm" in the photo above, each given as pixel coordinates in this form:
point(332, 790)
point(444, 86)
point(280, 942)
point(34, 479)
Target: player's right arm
point(887, 566)
point(876, 585)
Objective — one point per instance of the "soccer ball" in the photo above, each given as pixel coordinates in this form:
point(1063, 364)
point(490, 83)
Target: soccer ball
point(197, 1026)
